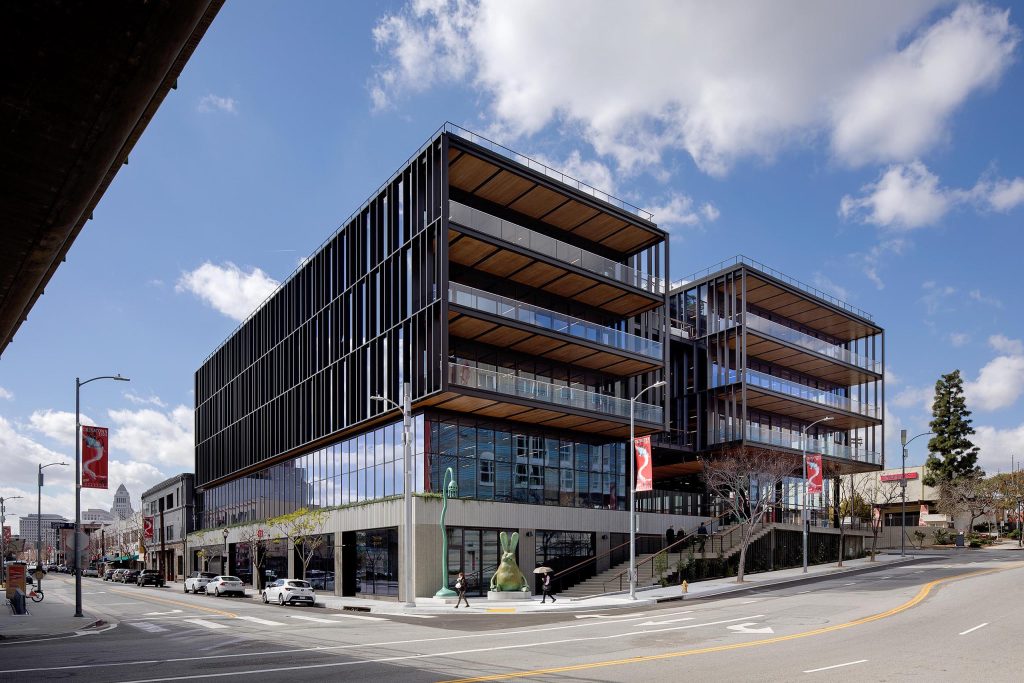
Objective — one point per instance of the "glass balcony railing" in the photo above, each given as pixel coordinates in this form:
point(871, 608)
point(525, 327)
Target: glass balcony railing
point(788, 334)
point(549, 320)
point(791, 439)
point(545, 392)
point(827, 398)
point(549, 246)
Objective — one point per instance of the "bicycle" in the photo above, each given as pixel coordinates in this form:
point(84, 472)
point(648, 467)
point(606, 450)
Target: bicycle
point(36, 594)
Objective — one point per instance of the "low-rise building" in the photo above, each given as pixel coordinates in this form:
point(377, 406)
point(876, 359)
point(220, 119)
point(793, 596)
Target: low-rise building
point(170, 506)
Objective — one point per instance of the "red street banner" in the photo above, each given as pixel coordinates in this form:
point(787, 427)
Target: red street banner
point(94, 457)
point(813, 474)
point(7, 535)
point(147, 527)
point(644, 468)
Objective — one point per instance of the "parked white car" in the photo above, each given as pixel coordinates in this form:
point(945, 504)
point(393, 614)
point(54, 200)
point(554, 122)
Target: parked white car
point(289, 591)
point(225, 585)
point(197, 581)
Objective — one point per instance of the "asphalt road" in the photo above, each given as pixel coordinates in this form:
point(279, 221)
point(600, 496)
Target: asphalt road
point(952, 618)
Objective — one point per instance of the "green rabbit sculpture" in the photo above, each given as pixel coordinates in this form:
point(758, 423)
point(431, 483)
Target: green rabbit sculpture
point(508, 577)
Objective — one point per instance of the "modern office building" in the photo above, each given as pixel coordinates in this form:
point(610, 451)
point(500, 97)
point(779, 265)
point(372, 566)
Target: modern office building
point(171, 506)
point(525, 310)
point(761, 360)
point(28, 529)
point(97, 516)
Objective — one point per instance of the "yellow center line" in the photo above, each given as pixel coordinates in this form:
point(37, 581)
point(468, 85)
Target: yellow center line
point(176, 603)
point(921, 595)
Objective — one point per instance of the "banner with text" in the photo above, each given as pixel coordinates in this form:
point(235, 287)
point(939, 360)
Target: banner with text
point(94, 457)
point(147, 527)
point(814, 474)
point(644, 467)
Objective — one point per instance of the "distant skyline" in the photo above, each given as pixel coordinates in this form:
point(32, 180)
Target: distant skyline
point(872, 150)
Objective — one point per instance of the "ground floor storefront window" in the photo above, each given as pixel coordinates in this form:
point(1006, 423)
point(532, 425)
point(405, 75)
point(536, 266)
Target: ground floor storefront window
point(377, 562)
point(476, 553)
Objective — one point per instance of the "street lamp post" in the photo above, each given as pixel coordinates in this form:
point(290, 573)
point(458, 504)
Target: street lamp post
point(804, 517)
point(3, 539)
point(903, 490)
point(406, 410)
point(632, 491)
point(78, 483)
point(39, 511)
point(224, 560)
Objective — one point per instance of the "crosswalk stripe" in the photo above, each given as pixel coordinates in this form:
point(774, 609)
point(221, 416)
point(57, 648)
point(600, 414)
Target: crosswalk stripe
point(204, 622)
point(148, 627)
point(417, 616)
point(265, 622)
point(357, 616)
point(316, 619)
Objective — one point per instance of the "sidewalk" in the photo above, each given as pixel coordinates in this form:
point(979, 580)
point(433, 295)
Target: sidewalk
point(50, 617)
point(645, 596)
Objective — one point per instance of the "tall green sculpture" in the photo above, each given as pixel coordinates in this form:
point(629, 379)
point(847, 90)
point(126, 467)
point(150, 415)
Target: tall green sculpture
point(449, 489)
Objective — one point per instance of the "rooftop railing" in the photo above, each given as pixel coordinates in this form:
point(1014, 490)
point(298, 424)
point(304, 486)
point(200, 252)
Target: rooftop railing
point(792, 440)
point(536, 390)
point(820, 346)
point(546, 170)
point(767, 270)
point(530, 239)
point(550, 320)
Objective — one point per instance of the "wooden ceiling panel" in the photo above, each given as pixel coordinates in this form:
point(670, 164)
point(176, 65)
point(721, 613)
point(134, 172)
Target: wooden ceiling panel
point(569, 215)
point(468, 251)
point(537, 345)
point(503, 410)
point(538, 415)
point(627, 239)
point(469, 328)
point(503, 336)
point(570, 353)
point(537, 274)
point(629, 367)
point(599, 227)
point(568, 422)
point(537, 202)
point(467, 404)
point(503, 262)
point(631, 304)
point(468, 172)
point(596, 296)
point(570, 285)
point(504, 188)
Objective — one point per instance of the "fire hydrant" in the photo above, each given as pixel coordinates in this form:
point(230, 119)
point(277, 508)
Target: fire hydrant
point(685, 586)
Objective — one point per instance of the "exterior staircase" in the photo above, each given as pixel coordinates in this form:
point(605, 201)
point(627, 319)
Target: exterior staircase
point(724, 543)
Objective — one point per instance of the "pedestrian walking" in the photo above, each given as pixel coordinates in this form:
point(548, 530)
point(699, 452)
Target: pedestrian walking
point(460, 587)
point(546, 588)
point(670, 536)
point(702, 536)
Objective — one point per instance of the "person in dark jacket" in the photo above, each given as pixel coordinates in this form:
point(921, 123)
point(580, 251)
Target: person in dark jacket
point(460, 587)
point(546, 588)
point(670, 536)
point(702, 536)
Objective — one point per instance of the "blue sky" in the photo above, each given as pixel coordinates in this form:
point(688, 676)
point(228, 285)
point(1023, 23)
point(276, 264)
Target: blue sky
point(871, 149)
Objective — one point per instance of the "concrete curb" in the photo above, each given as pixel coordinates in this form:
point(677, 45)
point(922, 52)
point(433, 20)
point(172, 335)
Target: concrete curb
point(97, 624)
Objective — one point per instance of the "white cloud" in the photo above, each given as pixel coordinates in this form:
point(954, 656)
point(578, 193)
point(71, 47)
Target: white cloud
point(915, 397)
point(873, 259)
point(997, 445)
point(976, 295)
point(710, 212)
point(214, 103)
point(139, 400)
point(718, 81)
point(591, 172)
point(57, 425)
point(1001, 381)
point(5, 394)
point(227, 288)
point(151, 436)
point(899, 107)
point(909, 196)
point(679, 211)
point(935, 296)
point(959, 339)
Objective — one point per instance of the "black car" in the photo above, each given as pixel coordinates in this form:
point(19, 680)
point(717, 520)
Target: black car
point(150, 577)
point(108, 575)
point(130, 576)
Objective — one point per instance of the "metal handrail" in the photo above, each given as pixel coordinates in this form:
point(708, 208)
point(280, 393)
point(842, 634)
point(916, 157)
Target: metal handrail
point(595, 558)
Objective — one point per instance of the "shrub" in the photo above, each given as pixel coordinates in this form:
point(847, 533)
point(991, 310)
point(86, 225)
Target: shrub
point(942, 537)
point(975, 543)
point(1015, 534)
point(981, 528)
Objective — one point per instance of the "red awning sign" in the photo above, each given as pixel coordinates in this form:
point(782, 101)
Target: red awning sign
point(898, 477)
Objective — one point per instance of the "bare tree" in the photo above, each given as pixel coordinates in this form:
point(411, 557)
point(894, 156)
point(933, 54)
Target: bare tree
point(745, 480)
point(305, 529)
point(879, 494)
point(253, 537)
point(853, 504)
point(973, 496)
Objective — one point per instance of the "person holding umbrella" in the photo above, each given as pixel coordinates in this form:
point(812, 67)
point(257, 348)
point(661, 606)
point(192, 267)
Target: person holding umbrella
point(545, 583)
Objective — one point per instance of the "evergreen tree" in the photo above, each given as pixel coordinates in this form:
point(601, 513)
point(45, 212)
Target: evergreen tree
point(950, 452)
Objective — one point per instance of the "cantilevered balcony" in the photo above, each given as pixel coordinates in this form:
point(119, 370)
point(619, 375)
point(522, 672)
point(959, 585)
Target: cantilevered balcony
point(504, 249)
point(792, 440)
point(784, 397)
point(507, 323)
point(507, 396)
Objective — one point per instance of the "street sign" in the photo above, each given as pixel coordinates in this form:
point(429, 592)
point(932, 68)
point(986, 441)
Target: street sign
point(62, 525)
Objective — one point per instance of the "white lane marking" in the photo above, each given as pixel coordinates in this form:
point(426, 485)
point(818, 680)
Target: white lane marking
point(205, 623)
point(160, 614)
point(745, 628)
point(257, 620)
point(747, 602)
point(351, 646)
point(417, 616)
point(316, 619)
point(852, 583)
point(802, 592)
point(835, 666)
point(425, 655)
point(668, 621)
point(964, 633)
point(886, 577)
point(148, 627)
point(357, 616)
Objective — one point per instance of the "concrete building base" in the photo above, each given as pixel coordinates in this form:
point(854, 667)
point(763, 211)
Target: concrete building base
point(428, 602)
point(508, 596)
